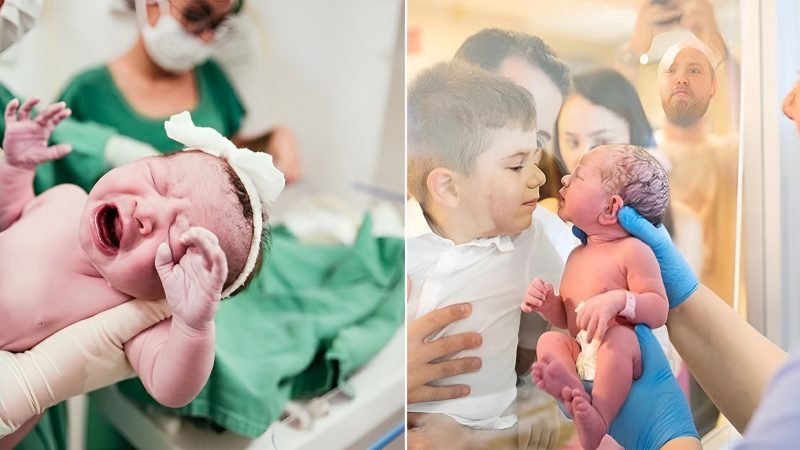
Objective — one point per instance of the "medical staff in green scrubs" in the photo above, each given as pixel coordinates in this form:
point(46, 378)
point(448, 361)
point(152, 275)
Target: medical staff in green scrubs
point(95, 96)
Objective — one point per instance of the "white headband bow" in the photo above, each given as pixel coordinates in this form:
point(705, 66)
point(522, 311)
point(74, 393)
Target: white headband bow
point(261, 179)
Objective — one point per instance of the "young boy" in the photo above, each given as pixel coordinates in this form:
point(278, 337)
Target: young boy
point(187, 227)
point(472, 166)
point(610, 284)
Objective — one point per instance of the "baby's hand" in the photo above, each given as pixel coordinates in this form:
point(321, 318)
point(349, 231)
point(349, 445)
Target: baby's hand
point(25, 141)
point(194, 286)
point(539, 294)
point(594, 314)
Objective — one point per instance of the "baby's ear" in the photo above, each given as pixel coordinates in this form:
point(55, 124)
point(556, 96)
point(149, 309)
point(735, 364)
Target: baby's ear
point(609, 215)
point(441, 184)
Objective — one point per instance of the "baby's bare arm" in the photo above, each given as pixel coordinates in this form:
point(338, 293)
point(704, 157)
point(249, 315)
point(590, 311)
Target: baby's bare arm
point(555, 313)
point(541, 297)
point(644, 282)
point(16, 190)
point(25, 144)
point(173, 363)
point(174, 358)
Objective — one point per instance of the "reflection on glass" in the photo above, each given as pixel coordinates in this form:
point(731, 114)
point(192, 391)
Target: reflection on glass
point(662, 74)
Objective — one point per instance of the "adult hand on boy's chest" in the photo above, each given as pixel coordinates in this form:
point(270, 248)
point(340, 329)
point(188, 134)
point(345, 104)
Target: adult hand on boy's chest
point(421, 369)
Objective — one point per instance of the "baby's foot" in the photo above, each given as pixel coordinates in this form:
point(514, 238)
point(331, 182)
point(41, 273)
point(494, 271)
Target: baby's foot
point(552, 377)
point(590, 426)
point(569, 395)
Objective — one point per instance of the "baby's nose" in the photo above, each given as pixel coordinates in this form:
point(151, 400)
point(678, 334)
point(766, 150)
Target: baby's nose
point(144, 218)
point(144, 227)
point(565, 180)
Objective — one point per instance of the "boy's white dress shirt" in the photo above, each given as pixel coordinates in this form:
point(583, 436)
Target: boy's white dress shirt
point(492, 274)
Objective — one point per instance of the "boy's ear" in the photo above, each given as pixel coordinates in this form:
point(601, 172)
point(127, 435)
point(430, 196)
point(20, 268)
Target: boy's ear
point(442, 187)
point(713, 87)
point(609, 215)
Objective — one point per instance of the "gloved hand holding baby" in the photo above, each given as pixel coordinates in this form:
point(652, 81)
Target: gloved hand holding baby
point(186, 227)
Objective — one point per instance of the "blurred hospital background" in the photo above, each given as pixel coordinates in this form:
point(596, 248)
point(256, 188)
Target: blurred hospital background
point(333, 72)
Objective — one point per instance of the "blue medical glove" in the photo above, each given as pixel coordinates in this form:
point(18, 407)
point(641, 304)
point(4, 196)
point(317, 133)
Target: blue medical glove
point(656, 411)
point(578, 233)
point(678, 278)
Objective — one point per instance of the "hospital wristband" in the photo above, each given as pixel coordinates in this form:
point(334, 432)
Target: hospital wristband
point(629, 312)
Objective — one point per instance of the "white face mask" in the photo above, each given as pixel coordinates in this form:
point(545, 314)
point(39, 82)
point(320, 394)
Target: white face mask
point(16, 18)
point(173, 48)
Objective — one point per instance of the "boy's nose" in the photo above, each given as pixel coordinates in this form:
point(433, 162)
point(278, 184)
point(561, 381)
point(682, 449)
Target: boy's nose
point(537, 177)
point(565, 180)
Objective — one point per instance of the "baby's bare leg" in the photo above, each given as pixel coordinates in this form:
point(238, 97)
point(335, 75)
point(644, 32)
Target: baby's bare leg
point(619, 362)
point(555, 368)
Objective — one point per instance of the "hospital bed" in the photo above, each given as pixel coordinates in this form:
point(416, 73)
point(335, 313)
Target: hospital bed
point(370, 419)
point(373, 418)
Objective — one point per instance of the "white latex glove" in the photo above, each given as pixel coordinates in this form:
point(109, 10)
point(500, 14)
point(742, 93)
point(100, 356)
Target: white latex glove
point(83, 357)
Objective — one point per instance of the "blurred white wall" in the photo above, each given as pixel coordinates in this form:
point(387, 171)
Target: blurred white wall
point(771, 156)
point(322, 68)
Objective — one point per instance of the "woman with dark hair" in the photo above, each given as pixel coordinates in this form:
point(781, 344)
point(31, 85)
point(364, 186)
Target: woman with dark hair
point(603, 108)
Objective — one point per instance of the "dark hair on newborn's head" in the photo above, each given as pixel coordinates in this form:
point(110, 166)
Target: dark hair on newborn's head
point(242, 228)
point(247, 210)
point(639, 179)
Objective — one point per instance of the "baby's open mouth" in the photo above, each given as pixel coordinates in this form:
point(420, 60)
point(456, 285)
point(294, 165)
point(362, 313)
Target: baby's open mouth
point(109, 226)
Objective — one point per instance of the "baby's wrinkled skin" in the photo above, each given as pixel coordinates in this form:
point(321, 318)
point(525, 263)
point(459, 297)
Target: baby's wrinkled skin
point(596, 277)
point(148, 229)
point(49, 279)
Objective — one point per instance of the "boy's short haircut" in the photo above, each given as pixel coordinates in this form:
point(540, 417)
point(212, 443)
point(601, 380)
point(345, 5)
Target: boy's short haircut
point(452, 109)
point(639, 179)
point(489, 47)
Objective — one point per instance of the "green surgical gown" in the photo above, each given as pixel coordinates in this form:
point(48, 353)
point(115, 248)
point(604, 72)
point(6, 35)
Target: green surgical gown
point(88, 141)
point(99, 109)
